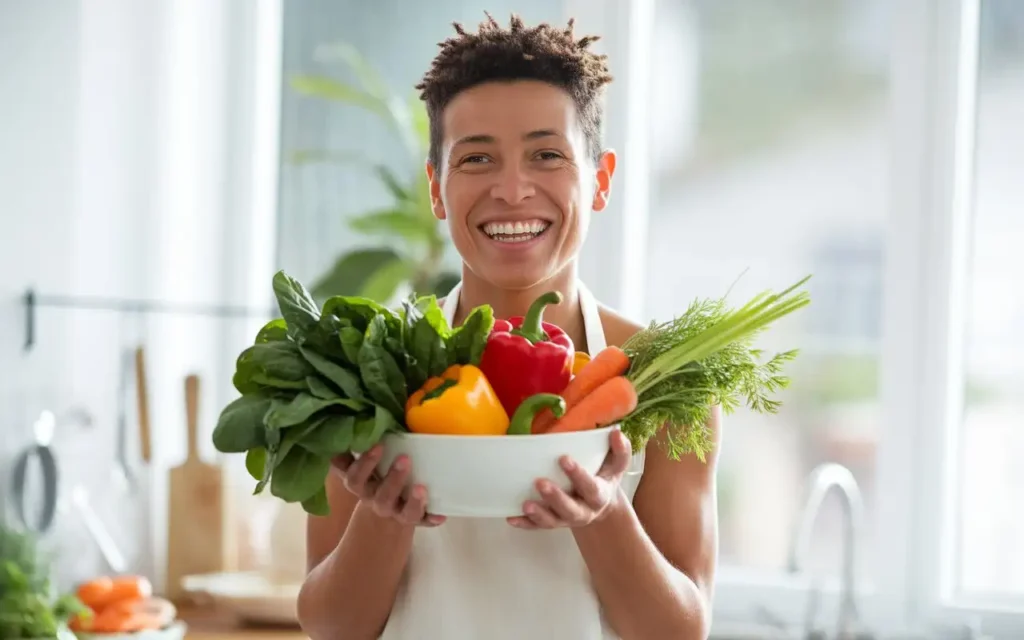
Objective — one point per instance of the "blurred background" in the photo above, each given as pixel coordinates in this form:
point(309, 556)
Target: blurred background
point(159, 161)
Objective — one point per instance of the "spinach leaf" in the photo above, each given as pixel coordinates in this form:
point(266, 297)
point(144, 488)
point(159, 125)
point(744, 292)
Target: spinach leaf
point(297, 306)
point(288, 413)
point(358, 311)
point(273, 331)
point(317, 505)
point(256, 462)
point(466, 343)
point(381, 376)
point(299, 475)
point(351, 342)
point(269, 462)
point(240, 425)
point(369, 430)
point(277, 365)
point(320, 389)
point(346, 380)
point(331, 436)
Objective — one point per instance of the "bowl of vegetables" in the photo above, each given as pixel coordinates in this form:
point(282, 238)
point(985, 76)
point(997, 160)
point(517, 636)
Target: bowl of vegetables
point(486, 408)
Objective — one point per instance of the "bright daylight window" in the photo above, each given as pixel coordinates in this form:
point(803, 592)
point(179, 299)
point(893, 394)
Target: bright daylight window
point(772, 144)
point(990, 524)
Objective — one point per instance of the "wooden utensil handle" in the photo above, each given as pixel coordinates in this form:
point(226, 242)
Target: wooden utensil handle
point(192, 415)
point(142, 395)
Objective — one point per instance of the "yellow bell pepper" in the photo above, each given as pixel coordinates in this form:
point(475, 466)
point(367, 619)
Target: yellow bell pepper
point(458, 402)
point(579, 360)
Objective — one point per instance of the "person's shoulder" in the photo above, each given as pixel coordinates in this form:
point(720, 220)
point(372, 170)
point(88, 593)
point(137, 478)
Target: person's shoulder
point(617, 327)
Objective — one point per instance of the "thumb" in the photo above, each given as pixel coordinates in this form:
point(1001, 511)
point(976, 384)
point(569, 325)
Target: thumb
point(619, 457)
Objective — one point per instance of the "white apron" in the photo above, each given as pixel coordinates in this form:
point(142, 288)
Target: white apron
point(483, 579)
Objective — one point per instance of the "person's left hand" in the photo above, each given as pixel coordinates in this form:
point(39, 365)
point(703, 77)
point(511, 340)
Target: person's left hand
point(591, 498)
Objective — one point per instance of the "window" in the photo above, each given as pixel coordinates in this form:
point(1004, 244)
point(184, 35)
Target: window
point(879, 146)
point(989, 527)
point(777, 165)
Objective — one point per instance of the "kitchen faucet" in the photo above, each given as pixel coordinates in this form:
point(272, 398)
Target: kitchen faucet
point(823, 478)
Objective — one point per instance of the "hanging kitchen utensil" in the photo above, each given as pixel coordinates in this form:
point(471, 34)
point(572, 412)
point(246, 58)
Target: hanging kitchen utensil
point(145, 554)
point(43, 432)
point(98, 531)
point(122, 468)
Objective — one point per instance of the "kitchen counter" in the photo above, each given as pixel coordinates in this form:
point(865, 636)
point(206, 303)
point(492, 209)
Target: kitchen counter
point(209, 624)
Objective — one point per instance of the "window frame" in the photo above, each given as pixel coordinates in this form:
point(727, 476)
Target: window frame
point(932, 92)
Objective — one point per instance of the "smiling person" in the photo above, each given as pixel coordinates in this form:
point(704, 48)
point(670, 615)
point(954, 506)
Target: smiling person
point(517, 168)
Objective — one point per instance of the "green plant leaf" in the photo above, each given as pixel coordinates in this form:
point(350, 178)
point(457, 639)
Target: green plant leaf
point(256, 462)
point(300, 475)
point(371, 81)
point(397, 222)
point(420, 122)
point(318, 504)
point(331, 89)
point(392, 183)
point(383, 284)
point(350, 272)
point(287, 413)
point(240, 425)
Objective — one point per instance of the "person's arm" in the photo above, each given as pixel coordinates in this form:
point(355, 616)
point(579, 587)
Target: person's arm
point(356, 555)
point(653, 564)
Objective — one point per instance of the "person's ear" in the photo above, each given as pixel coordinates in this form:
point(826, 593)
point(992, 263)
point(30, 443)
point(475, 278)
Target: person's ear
point(434, 180)
point(605, 172)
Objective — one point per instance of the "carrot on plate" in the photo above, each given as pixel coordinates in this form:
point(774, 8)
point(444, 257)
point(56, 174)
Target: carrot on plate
point(606, 365)
point(613, 400)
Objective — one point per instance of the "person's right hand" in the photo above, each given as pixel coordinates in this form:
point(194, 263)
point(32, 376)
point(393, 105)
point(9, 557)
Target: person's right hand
point(387, 496)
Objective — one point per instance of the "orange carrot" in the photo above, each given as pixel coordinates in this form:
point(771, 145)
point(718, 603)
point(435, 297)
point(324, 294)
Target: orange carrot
point(608, 363)
point(610, 402)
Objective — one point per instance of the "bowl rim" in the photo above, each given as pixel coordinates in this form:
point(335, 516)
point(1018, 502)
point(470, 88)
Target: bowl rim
point(531, 437)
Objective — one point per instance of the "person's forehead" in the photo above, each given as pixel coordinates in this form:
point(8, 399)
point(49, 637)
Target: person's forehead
point(508, 109)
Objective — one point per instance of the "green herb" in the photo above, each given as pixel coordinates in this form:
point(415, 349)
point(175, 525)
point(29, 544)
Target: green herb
point(322, 382)
point(683, 367)
point(29, 605)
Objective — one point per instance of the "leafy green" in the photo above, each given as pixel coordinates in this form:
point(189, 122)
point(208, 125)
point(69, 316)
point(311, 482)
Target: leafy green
point(30, 607)
point(683, 367)
point(320, 382)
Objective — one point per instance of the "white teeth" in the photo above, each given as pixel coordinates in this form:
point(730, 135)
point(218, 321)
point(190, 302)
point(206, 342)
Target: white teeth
point(519, 231)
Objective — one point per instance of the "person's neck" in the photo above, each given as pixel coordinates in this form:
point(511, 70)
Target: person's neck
point(508, 303)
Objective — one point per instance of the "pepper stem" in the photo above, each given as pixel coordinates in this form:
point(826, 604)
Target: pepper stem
point(440, 389)
point(521, 423)
point(532, 328)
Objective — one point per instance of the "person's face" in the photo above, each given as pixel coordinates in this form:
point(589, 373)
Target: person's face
point(516, 183)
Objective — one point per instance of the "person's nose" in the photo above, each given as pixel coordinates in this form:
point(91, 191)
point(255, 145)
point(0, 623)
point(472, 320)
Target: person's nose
point(513, 185)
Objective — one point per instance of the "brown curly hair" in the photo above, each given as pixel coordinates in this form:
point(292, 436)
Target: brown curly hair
point(518, 52)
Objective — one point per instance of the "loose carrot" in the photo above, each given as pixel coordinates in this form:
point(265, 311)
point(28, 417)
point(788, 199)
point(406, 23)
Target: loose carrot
point(610, 402)
point(606, 365)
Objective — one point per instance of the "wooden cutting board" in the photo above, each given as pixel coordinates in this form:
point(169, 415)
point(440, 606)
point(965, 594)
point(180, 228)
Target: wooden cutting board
point(197, 517)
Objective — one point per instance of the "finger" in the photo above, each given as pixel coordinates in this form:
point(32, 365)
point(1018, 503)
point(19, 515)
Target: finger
point(343, 462)
point(432, 520)
point(586, 486)
point(564, 507)
point(387, 498)
point(521, 522)
point(541, 516)
point(619, 457)
point(358, 478)
point(414, 510)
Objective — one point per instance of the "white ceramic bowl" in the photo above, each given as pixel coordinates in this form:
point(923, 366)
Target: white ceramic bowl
point(491, 476)
point(176, 631)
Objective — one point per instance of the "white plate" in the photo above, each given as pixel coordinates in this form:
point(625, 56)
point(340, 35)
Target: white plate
point(251, 596)
point(174, 632)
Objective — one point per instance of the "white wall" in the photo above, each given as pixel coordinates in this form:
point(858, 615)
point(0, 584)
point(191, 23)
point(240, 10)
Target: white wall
point(130, 168)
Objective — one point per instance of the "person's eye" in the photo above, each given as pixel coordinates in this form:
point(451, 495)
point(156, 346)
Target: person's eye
point(549, 155)
point(475, 158)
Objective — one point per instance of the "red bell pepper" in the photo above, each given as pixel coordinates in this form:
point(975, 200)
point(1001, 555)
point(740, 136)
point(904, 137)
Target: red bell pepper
point(525, 356)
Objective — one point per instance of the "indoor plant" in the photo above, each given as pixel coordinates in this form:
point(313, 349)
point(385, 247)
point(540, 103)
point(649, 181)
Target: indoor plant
point(30, 607)
point(413, 243)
